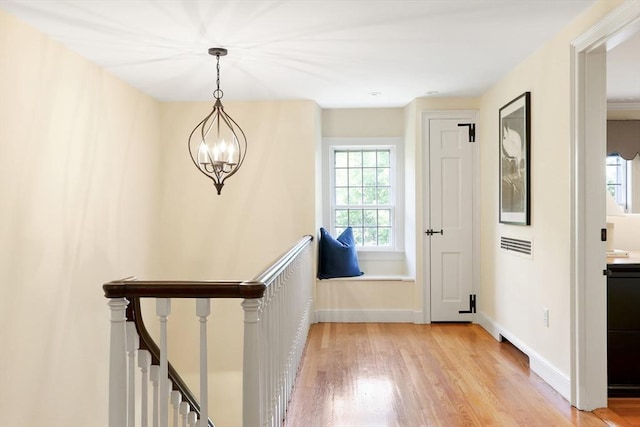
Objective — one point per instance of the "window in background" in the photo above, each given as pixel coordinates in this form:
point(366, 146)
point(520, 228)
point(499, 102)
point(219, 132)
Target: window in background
point(363, 194)
point(617, 180)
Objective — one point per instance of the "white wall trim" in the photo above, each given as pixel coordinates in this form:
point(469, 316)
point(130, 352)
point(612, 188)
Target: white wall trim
point(537, 364)
point(396, 144)
point(365, 316)
point(588, 116)
point(623, 106)
point(607, 30)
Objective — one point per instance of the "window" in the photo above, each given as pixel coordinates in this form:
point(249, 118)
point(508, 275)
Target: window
point(363, 195)
point(617, 179)
point(363, 187)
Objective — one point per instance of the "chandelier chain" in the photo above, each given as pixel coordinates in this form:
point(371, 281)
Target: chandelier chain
point(217, 94)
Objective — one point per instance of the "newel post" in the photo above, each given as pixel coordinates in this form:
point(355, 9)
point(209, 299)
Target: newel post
point(251, 402)
point(118, 364)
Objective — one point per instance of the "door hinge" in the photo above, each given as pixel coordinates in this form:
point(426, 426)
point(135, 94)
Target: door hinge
point(472, 130)
point(603, 234)
point(472, 305)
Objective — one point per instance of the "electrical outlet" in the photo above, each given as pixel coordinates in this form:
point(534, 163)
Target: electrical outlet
point(545, 316)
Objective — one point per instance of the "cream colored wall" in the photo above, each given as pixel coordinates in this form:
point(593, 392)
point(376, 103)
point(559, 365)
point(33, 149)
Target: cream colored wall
point(78, 170)
point(362, 122)
point(378, 295)
point(623, 114)
point(263, 210)
point(514, 290)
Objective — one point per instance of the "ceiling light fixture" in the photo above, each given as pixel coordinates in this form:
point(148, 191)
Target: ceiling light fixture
point(218, 145)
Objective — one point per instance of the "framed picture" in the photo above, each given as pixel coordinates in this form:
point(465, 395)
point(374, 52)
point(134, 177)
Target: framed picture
point(515, 149)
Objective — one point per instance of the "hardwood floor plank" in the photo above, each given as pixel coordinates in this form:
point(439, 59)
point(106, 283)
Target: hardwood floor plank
point(621, 411)
point(405, 375)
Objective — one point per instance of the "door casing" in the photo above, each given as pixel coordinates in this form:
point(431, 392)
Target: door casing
point(464, 116)
point(588, 286)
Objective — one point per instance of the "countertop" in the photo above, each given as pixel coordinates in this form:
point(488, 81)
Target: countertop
point(633, 258)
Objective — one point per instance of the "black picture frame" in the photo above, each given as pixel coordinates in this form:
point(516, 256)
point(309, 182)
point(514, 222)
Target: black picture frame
point(515, 161)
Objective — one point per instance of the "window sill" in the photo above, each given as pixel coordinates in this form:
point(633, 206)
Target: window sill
point(376, 255)
point(372, 278)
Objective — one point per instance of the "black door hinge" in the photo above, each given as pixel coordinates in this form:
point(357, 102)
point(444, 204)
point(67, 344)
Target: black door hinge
point(472, 130)
point(472, 305)
point(603, 234)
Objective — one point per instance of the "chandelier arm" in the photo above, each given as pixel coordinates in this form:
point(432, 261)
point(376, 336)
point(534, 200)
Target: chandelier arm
point(243, 146)
point(203, 169)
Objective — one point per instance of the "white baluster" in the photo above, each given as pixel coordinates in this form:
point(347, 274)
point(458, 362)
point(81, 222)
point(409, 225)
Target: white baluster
point(176, 398)
point(133, 341)
point(251, 402)
point(117, 364)
point(163, 309)
point(144, 363)
point(193, 419)
point(154, 373)
point(203, 309)
point(184, 412)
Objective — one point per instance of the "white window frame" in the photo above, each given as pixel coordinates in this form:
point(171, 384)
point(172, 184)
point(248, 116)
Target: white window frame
point(623, 169)
point(395, 144)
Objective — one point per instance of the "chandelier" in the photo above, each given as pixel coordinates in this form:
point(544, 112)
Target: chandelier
point(218, 145)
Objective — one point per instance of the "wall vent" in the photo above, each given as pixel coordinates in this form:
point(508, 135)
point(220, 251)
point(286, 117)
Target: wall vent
point(517, 246)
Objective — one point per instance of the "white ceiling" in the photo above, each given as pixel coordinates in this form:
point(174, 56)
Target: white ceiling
point(349, 53)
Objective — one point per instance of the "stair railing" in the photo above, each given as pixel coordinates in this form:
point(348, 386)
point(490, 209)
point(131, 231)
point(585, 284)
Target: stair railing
point(277, 308)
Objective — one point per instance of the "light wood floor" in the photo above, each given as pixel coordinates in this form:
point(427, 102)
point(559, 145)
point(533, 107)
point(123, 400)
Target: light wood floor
point(405, 375)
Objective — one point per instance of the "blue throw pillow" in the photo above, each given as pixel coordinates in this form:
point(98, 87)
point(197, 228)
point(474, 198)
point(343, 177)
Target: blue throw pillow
point(338, 257)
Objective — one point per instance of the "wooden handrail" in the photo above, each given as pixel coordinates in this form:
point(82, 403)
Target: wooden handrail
point(280, 263)
point(130, 288)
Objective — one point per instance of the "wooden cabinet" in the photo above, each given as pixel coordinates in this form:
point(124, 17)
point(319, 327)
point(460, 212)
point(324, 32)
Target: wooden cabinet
point(623, 329)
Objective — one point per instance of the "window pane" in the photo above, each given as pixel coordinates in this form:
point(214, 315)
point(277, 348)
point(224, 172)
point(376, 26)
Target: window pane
point(370, 237)
point(341, 159)
point(355, 177)
point(383, 158)
point(342, 217)
point(369, 176)
point(355, 159)
point(383, 195)
point(355, 217)
point(371, 217)
point(383, 176)
point(369, 159)
point(384, 217)
point(355, 196)
point(369, 195)
point(616, 176)
point(384, 236)
point(342, 196)
point(357, 235)
point(339, 230)
point(341, 178)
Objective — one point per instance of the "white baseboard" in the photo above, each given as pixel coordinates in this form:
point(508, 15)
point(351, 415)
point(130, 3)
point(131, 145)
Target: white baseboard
point(365, 316)
point(538, 364)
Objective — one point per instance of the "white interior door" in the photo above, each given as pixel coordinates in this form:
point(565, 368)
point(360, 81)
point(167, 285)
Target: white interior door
point(449, 222)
